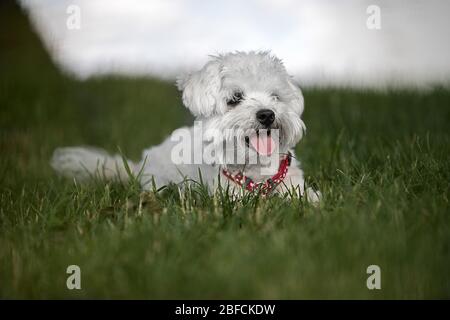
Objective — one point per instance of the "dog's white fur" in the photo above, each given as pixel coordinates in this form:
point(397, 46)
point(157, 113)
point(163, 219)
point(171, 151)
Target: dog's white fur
point(265, 84)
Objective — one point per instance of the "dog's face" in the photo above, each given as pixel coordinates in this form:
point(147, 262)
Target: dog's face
point(245, 97)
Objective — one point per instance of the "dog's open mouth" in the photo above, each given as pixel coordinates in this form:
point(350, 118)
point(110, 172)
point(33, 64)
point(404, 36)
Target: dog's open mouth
point(262, 142)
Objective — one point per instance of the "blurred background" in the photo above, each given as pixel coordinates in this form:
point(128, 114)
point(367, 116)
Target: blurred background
point(322, 43)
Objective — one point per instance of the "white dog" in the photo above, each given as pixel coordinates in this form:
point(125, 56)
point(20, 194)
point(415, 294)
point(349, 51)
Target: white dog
point(245, 104)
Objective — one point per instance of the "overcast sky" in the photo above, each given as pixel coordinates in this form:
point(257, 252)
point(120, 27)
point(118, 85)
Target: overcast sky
point(322, 42)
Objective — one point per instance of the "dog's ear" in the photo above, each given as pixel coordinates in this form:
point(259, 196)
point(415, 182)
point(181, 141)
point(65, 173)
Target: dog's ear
point(201, 89)
point(297, 101)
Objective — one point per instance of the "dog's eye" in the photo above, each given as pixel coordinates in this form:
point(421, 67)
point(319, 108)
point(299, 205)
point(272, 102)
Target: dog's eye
point(235, 99)
point(275, 96)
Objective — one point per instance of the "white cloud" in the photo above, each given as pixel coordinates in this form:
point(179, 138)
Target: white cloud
point(321, 42)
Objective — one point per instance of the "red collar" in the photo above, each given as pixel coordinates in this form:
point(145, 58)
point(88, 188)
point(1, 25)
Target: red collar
point(265, 187)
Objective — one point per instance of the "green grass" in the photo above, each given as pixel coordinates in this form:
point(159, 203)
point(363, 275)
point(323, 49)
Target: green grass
point(381, 160)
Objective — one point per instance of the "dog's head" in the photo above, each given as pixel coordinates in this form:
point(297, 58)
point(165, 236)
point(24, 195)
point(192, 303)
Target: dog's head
point(240, 95)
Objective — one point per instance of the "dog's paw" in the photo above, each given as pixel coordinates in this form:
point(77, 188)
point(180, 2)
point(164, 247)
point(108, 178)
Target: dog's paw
point(312, 196)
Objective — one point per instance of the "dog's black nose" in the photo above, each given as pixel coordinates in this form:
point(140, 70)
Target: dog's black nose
point(265, 117)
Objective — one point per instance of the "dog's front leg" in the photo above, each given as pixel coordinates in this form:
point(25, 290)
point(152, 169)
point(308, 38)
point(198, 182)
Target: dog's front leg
point(295, 182)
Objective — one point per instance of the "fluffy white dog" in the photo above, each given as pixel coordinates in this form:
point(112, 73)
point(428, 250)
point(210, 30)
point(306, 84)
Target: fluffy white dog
point(247, 111)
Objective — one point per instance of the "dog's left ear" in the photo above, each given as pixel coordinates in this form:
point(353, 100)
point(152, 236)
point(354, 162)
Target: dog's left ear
point(297, 101)
point(201, 90)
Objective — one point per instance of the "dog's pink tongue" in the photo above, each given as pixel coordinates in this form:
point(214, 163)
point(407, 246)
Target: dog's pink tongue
point(263, 144)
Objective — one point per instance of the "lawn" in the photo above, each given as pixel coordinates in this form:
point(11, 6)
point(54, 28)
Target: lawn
point(381, 160)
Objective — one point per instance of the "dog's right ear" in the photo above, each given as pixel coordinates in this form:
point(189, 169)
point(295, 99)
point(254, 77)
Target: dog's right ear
point(201, 90)
point(298, 101)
